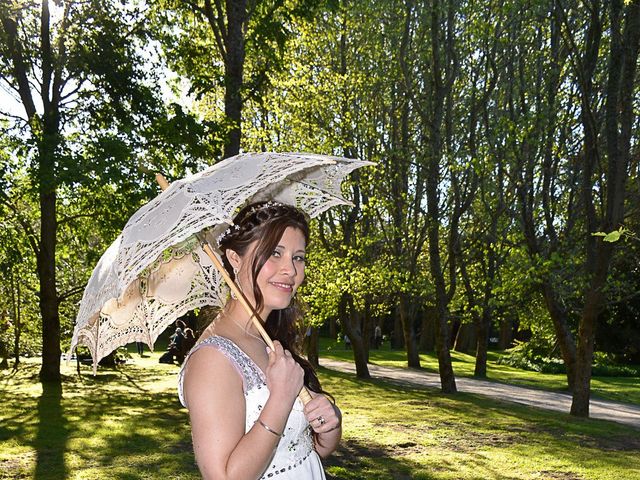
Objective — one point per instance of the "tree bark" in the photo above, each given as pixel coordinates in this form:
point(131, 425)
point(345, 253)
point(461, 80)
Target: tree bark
point(427, 334)
point(46, 265)
point(234, 72)
point(349, 322)
point(482, 344)
point(397, 340)
point(17, 325)
point(466, 338)
point(45, 131)
point(619, 120)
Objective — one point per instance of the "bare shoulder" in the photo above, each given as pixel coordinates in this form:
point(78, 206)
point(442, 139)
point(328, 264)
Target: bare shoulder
point(209, 373)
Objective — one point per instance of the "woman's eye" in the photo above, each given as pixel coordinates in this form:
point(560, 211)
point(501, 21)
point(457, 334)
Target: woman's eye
point(299, 258)
point(275, 253)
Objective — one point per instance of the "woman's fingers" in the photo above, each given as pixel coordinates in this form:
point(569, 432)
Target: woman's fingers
point(321, 414)
point(283, 372)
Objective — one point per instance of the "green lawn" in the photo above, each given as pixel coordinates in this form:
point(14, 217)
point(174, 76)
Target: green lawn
point(621, 389)
point(128, 424)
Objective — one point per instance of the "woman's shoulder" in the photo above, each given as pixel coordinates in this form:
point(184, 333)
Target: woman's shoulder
point(210, 362)
point(211, 348)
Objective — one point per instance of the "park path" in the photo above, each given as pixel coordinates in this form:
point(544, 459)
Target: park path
point(557, 401)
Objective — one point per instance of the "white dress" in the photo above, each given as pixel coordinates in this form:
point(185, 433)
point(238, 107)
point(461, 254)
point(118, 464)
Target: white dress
point(295, 457)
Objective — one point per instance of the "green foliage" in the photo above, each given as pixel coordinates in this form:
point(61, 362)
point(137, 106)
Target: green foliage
point(535, 355)
point(615, 235)
point(331, 275)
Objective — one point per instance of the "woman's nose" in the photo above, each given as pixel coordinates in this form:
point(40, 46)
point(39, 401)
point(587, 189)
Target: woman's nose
point(288, 267)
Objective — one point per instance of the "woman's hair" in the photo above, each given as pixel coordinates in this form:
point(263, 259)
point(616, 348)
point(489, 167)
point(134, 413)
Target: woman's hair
point(265, 223)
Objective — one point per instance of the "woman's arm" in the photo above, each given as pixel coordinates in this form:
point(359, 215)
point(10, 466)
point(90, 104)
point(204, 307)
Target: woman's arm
point(213, 392)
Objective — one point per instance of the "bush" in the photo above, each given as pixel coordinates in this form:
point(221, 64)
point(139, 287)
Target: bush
point(530, 356)
point(535, 355)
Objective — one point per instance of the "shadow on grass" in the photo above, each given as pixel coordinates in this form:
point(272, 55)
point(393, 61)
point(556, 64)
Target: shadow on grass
point(51, 438)
point(128, 424)
point(472, 425)
point(137, 432)
point(354, 460)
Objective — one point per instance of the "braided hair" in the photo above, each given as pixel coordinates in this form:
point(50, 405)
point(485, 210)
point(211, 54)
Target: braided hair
point(265, 223)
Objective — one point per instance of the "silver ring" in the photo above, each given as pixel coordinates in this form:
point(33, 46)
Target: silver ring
point(321, 420)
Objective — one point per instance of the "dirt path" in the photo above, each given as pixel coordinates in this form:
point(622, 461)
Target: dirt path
point(561, 402)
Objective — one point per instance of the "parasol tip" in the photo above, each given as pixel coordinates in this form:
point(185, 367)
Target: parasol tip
point(162, 181)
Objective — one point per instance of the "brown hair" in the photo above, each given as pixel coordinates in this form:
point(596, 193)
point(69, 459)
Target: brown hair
point(265, 223)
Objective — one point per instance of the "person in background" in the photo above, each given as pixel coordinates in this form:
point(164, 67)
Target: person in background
point(377, 336)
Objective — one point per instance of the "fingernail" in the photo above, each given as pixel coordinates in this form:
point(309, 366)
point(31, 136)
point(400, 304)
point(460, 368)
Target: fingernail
point(268, 350)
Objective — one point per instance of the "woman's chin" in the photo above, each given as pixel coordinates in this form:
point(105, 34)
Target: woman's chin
point(280, 304)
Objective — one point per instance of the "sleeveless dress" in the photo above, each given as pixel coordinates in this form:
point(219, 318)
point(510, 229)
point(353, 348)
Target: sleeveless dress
point(295, 457)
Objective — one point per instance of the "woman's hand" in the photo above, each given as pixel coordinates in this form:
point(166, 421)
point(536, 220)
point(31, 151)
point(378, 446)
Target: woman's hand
point(321, 414)
point(285, 376)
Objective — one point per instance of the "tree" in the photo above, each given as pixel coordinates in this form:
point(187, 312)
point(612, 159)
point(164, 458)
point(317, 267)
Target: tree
point(74, 69)
point(573, 155)
point(619, 89)
point(430, 74)
point(249, 38)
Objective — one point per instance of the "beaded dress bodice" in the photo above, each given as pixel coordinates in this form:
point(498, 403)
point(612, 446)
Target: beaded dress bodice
point(295, 454)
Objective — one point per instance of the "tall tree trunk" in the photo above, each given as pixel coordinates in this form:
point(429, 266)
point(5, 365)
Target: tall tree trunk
point(619, 121)
point(46, 264)
point(313, 348)
point(397, 339)
point(333, 330)
point(482, 344)
point(563, 333)
point(350, 322)
point(506, 334)
point(427, 333)
point(465, 338)
point(17, 320)
point(234, 71)
point(49, 140)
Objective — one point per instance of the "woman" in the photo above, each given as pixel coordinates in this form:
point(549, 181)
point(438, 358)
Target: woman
point(246, 420)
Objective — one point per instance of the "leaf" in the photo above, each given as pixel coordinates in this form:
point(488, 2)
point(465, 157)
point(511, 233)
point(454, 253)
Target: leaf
point(613, 236)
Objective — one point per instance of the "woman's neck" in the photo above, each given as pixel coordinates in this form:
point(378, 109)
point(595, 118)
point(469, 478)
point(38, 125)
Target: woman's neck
point(235, 312)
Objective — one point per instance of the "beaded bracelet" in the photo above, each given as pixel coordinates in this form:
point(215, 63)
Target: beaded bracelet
point(269, 429)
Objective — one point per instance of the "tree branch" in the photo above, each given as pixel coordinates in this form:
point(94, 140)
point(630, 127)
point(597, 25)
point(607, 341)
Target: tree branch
point(32, 236)
point(14, 48)
point(70, 293)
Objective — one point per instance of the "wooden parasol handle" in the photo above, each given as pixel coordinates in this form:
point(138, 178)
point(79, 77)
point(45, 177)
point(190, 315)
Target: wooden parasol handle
point(304, 394)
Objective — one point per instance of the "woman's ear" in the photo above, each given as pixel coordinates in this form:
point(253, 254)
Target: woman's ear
point(234, 258)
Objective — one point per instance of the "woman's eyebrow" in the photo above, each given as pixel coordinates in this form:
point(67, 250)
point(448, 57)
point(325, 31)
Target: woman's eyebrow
point(297, 251)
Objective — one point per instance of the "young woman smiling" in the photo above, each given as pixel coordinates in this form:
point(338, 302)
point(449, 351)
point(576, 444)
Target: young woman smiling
point(246, 419)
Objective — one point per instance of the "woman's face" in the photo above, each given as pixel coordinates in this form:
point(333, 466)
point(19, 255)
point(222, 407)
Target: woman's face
point(283, 272)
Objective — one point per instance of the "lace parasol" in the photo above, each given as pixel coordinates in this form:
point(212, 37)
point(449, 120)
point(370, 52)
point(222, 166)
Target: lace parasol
point(156, 270)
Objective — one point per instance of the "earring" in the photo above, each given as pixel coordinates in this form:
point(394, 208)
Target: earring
point(235, 276)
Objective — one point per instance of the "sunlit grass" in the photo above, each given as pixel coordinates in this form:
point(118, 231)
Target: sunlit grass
point(622, 389)
point(128, 424)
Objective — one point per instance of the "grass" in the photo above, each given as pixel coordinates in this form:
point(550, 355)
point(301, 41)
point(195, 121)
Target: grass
point(128, 424)
point(620, 389)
